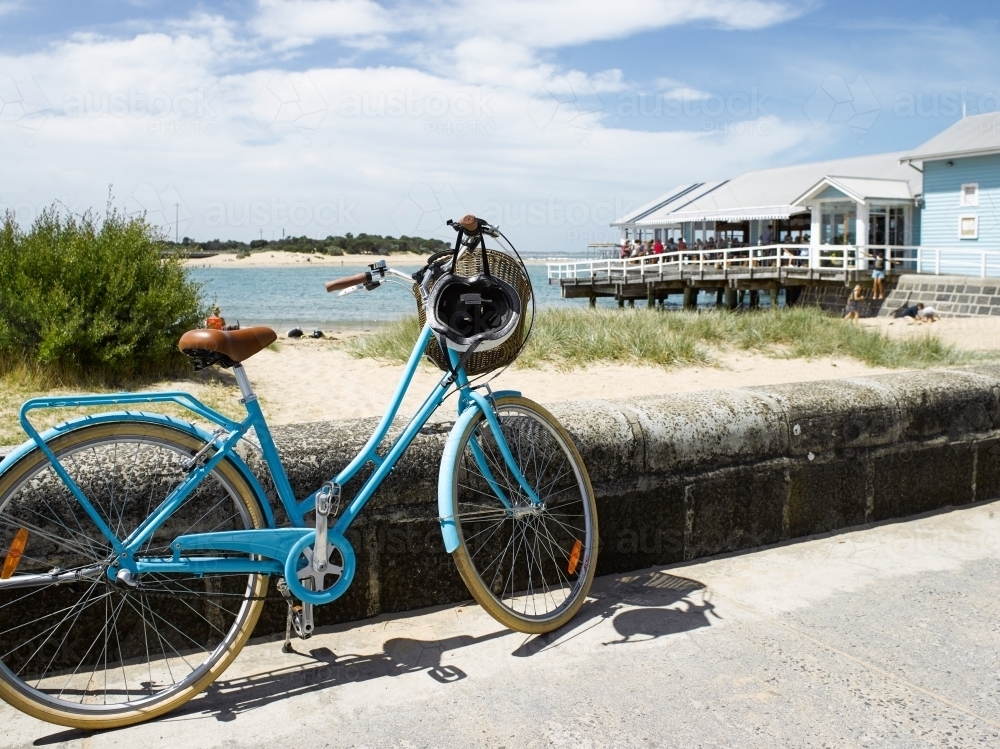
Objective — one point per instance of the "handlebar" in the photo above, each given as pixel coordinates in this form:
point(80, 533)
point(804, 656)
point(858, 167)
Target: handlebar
point(348, 281)
point(370, 279)
point(472, 225)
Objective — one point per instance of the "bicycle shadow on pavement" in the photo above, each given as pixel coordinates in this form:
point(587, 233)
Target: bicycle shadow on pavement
point(641, 606)
point(227, 698)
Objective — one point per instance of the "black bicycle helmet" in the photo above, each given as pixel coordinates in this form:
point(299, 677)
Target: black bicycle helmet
point(465, 311)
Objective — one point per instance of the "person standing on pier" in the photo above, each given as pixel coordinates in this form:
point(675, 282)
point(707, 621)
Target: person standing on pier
point(879, 265)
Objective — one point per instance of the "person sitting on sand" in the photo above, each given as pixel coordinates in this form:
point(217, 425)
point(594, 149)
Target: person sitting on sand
point(927, 314)
point(215, 321)
point(910, 312)
point(852, 312)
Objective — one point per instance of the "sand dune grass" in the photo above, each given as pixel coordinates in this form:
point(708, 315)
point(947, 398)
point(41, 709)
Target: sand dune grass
point(570, 338)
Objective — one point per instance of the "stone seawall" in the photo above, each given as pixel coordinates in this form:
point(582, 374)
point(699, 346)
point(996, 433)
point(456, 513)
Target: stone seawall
point(951, 296)
point(679, 477)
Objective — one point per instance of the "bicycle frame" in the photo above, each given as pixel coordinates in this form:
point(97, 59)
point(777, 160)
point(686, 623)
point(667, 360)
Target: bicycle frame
point(275, 550)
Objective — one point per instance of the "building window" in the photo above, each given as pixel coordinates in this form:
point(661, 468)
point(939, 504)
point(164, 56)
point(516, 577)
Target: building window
point(968, 227)
point(839, 221)
point(970, 195)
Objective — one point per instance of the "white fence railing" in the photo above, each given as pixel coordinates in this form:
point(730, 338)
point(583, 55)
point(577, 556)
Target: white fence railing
point(833, 259)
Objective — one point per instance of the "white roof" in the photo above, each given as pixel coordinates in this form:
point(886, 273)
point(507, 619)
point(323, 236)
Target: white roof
point(972, 136)
point(772, 193)
point(667, 202)
point(861, 189)
point(732, 214)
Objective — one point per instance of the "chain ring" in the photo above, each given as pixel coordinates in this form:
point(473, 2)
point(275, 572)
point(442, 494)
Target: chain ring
point(300, 577)
point(307, 574)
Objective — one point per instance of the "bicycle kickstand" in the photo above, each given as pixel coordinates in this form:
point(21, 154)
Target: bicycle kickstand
point(299, 619)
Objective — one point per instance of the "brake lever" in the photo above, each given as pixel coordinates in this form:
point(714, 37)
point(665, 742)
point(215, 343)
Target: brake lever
point(351, 289)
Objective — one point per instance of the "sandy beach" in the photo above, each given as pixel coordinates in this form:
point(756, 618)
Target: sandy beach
point(971, 333)
point(312, 380)
point(307, 380)
point(277, 259)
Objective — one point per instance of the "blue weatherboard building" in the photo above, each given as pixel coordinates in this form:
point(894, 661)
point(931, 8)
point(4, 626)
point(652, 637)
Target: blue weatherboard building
point(961, 185)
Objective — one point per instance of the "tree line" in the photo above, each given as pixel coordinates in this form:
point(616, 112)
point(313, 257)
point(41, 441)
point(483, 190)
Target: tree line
point(349, 244)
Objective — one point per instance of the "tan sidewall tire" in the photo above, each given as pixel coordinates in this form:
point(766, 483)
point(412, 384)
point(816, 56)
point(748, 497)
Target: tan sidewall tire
point(73, 719)
point(468, 570)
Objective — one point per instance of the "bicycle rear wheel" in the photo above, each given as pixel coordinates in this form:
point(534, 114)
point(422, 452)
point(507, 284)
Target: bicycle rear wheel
point(93, 654)
point(529, 566)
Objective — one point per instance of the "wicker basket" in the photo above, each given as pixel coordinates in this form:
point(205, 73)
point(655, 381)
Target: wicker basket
point(508, 269)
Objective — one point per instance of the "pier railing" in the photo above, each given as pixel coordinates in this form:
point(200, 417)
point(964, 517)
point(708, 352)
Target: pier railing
point(831, 260)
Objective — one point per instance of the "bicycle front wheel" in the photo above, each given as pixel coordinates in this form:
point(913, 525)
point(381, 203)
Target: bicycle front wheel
point(93, 654)
point(529, 565)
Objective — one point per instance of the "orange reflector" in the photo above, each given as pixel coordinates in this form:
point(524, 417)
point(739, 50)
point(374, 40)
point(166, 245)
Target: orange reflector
point(574, 556)
point(13, 557)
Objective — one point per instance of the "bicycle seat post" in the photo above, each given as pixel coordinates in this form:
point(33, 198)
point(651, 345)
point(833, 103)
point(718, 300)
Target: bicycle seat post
point(246, 390)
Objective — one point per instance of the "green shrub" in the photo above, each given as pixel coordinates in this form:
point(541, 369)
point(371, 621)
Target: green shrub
point(90, 298)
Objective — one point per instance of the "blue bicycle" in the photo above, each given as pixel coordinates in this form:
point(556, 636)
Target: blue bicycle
point(138, 548)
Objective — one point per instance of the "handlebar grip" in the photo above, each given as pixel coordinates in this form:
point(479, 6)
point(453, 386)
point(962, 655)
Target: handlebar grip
point(469, 222)
point(348, 281)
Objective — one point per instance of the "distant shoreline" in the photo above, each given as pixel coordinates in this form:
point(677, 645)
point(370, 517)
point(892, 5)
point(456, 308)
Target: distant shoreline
point(280, 259)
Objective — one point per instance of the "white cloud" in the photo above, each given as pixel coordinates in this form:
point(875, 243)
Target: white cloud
point(200, 115)
point(294, 23)
point(558, 23)
point(687, 93)
point(533, 24)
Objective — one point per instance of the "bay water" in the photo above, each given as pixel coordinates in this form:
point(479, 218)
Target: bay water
point(295, 297)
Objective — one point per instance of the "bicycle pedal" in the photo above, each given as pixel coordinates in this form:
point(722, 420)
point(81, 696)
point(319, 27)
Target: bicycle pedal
point(302, 620)
point(299, 620)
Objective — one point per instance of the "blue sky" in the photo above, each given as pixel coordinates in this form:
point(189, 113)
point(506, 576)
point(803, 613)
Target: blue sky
point(239, 120)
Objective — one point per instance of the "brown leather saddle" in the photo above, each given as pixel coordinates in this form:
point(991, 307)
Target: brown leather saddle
point(225, 347)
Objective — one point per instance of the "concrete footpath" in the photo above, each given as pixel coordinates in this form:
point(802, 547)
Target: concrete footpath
point(886, 636)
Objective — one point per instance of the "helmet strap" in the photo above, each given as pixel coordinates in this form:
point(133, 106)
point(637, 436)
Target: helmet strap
point(458, 246)
point(463, 360)
point(486, 260)
point(475, 239)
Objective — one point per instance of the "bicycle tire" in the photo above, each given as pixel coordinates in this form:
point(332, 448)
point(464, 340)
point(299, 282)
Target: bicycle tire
point(190, 634)
point(541, 587)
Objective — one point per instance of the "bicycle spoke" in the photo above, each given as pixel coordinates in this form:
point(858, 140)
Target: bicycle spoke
point(525, 555)
point(93, 645)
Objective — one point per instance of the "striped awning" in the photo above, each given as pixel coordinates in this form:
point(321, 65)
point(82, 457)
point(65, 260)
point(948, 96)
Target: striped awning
point(764, 212)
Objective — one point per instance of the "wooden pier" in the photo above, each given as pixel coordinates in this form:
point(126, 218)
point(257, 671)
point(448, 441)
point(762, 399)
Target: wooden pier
point(728, 272)
point(814, 275)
